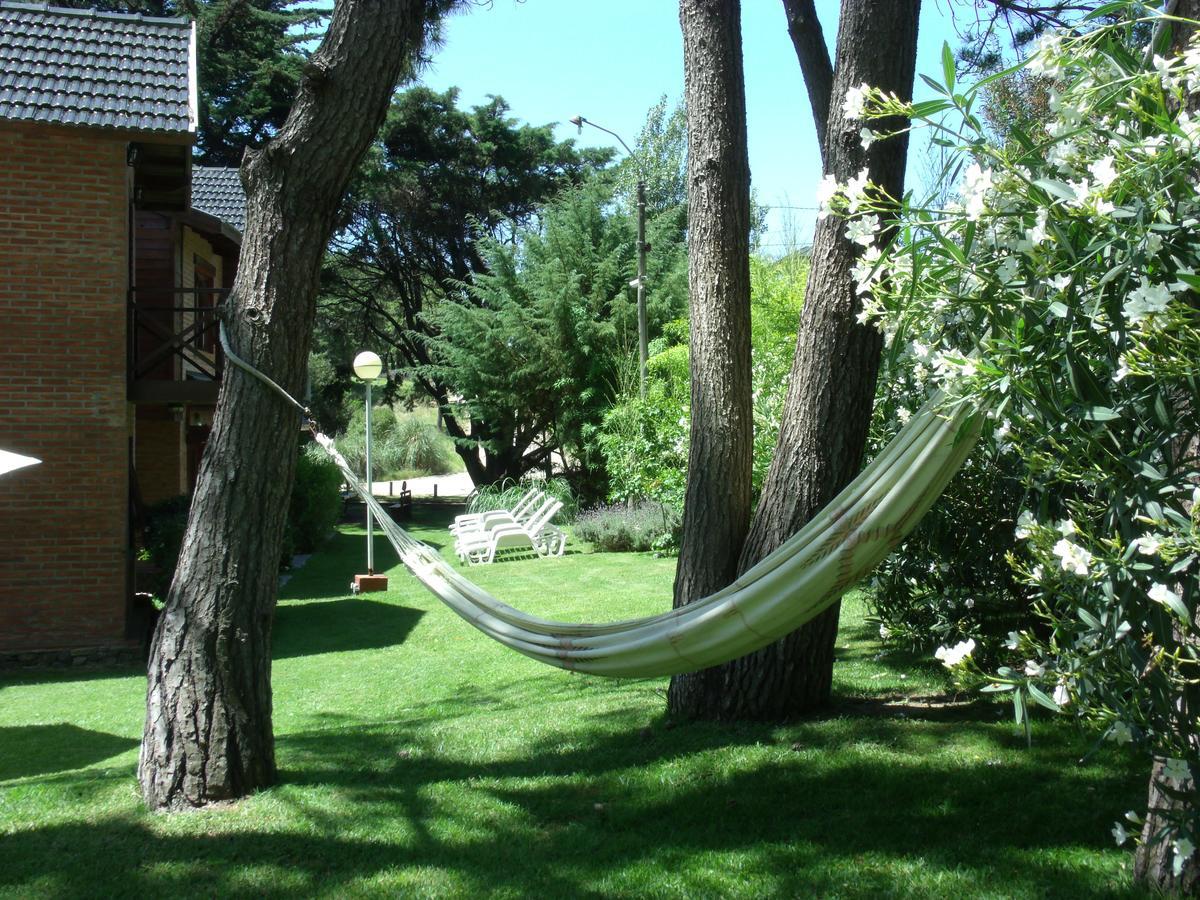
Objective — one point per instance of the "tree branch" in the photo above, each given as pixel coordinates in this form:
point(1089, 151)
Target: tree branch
point(805, 31)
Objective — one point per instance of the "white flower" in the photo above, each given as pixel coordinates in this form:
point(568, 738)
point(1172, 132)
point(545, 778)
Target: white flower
point(862, 230)
point(856, 190)
point(1160, 593)
point(952, 656)
point(1177, 770)
point(1038, 573)
point(867, 137)
point(1146, 300)
point(903, 415)
point(1038, 232)
point(1162, 65)
point(1148, 544)
point(1014, 641)
point(976, 183)
point(1121, 733)
point(865, 272)
point(856, 98)
point(1044, 60)
point(1120, 835)
point(884, 632)
point(1067, 527)
point(1082, 189)
point(969, 603)
point(1104, 171)
point(1062, 695)
point(826, 191)
point(1074, 558)
point(1026, 523)
point(1184, 848)
point(1034, 669)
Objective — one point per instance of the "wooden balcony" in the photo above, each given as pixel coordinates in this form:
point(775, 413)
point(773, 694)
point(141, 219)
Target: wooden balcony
point(174, 353)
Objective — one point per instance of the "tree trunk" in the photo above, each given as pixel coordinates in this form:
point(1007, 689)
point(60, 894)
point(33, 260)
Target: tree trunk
point(717, 503)
point(1154, 861)
point(832, 384)
point(208, 732)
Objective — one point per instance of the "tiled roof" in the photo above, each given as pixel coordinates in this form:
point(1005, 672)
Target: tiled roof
point(99, 70)
point(218, 192)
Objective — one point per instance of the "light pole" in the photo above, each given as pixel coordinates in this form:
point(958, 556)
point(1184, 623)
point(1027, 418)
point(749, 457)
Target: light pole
point(367, 366)
point(643, 341)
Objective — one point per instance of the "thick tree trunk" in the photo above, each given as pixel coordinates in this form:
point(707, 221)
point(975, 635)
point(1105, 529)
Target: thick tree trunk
point(1154, 861)
point(717, 504)
point(208, 732)
point(832, 386)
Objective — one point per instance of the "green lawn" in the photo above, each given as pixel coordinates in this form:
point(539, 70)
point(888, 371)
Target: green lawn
point(419, 758)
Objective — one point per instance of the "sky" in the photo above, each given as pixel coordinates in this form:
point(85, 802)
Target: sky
point(611, 60)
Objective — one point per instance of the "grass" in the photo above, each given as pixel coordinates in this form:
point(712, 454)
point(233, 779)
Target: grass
point(416, 757)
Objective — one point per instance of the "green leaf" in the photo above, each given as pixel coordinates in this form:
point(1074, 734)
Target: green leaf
point(927, 108)
point(1019, 707)
point(1099, 414)
point(1192, 281)
point(938, 88)
point(948, 64)
point(1040, 696)
point(1182, 564)
point(995, 688)
point(1088, 619)
point(1055, 188)
point(1179, 607)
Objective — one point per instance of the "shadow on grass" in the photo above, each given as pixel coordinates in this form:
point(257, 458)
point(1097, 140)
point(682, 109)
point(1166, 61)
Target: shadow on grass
point(331, 626)
point(27, 750)
point(591, 803)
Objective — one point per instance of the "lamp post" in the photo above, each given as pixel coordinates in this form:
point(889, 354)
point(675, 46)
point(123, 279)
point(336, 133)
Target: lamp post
point(640, 283)
point(367, 366)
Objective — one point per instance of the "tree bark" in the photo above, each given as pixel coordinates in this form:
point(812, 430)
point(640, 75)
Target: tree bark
point(804, 28)
point(832, 383)
point(1154, 861)
point(208, 733)
point(717, 503)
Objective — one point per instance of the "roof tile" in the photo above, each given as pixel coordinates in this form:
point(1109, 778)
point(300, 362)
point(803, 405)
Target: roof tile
point(80, 67)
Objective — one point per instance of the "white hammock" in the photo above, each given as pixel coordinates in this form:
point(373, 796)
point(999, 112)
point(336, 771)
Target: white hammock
point(788, 588)
point(803, 577)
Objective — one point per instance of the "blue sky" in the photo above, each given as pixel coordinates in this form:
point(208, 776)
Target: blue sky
point(611, 61)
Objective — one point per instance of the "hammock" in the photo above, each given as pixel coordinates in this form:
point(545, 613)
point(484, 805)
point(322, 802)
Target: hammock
point(788, 588)
point(799, 580)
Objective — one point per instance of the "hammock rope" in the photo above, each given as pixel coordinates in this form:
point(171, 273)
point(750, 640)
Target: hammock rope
point(788, 588)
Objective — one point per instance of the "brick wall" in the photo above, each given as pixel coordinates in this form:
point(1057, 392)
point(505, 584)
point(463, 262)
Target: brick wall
point(63, 275)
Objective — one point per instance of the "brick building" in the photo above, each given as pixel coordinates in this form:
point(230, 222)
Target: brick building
point(115, 251)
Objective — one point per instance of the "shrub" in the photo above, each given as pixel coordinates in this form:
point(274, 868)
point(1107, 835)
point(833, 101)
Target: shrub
point(401, 446)
point(162, 538)
point(505, 495)
point(636, 527)
point(316, 502)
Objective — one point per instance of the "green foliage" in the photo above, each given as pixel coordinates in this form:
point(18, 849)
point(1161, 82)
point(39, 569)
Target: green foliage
point(645, 441)
point(506, 494)
point(162, 538)
point(636, 527)
point(645, 447)
point(316, 503)
point(1063, 297)
point(407, 445)
point(538, 351)
point(439, 181)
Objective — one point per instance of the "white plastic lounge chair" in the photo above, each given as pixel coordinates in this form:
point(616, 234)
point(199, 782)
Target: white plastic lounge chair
point(474, 521)
point(494, 520)
point(533, 537)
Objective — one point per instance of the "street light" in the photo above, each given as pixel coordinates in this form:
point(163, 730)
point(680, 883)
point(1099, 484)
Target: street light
point(367, 366)
point(640, 283)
